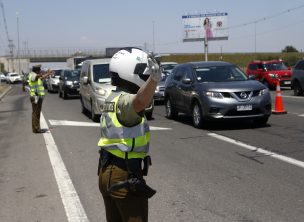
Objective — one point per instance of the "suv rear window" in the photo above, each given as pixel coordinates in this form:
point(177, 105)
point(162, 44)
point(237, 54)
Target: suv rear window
point(101, 73)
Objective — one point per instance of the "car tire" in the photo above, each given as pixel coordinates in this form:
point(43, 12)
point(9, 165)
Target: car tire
point(261, 121)
point(149, 115)
point(94, 117)
point(83, 109)
point(171, 112)
point(297, 90)
point(65, 95)
point(197, 115)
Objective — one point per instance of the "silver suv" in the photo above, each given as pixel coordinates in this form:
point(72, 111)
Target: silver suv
point(95, 87)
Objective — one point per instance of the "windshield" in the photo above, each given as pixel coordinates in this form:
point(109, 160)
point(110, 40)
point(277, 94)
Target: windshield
point(72, 75)
point(101, 73)
point(168, 66)
point(220, 74)
point(275, 66)
point(56, 74)
point(164, 76)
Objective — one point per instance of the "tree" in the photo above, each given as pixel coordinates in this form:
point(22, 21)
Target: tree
point(290, 48)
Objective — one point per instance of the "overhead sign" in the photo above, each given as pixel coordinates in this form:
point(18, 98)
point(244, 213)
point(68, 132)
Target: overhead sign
point(212, 26)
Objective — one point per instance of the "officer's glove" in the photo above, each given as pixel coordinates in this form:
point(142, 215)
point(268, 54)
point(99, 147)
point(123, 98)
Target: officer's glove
point(154, 68)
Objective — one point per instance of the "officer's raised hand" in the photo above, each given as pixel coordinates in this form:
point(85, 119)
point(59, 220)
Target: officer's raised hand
point(154, 68)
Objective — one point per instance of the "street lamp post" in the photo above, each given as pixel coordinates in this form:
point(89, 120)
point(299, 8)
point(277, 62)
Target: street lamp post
point(153, 38)
point(255, 23)
point(18, 49)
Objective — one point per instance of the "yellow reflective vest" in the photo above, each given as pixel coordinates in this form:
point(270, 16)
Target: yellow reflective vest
point(118, 139)
point(36, 87)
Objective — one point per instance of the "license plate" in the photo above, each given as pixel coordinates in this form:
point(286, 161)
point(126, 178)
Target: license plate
point(244, 107)
point(78, 89)
point(287, 82)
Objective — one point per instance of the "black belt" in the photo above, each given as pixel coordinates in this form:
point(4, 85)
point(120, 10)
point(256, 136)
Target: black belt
point(132, 164)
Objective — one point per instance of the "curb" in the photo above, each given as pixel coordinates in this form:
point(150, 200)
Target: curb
point(5, 92)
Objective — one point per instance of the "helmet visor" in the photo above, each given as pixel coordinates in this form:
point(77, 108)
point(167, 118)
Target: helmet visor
point(142, 71)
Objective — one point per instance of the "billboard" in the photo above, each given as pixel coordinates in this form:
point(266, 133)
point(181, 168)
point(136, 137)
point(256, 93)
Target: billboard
point(213, 26)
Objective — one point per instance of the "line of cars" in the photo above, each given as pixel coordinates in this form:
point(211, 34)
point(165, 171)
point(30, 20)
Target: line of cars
point(204, 90)
point(65, 82)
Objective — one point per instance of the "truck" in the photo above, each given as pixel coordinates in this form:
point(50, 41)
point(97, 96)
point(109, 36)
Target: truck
point(75, 62)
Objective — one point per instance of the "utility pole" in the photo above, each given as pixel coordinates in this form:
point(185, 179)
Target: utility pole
point(18, 44)
point(153, 38)
point(11, 48)
point(255, 37)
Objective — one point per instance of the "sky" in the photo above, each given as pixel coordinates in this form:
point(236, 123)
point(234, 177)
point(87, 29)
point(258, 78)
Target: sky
point(62, 24)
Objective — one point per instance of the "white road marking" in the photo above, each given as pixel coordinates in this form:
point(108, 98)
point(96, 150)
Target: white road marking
point(77, 123)
point(72, 123)
point(293, 97)
point(259, 150)
point(71, 202)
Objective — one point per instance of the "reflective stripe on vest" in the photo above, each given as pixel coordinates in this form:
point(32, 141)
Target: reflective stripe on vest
point(118, 139)
point(36, 87)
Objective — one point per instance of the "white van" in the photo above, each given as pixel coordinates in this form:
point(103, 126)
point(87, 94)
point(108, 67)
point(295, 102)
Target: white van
point(95, 87)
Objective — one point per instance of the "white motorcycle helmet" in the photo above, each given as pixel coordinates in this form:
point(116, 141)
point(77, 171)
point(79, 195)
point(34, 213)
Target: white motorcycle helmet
point(130, 64)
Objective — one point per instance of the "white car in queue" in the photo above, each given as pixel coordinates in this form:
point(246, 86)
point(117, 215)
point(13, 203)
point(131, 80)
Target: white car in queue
point(13, 77)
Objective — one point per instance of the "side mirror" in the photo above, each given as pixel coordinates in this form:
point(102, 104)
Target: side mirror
point(85, 80)
point(186, 81)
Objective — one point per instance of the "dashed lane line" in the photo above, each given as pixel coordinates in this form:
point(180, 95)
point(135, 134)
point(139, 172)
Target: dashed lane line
point(71, 202)
point(259, 150)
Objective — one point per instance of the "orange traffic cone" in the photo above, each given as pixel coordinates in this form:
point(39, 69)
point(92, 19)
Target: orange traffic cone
point(279, 107)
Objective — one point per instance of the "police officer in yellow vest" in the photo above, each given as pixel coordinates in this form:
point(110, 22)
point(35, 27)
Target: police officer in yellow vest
point(125, 136)
point(36, 95)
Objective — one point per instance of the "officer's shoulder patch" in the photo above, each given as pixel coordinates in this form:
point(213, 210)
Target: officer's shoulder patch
point(108, 107)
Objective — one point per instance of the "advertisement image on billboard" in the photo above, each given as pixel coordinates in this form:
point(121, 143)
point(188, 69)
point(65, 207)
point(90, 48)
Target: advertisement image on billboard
point(212, 26)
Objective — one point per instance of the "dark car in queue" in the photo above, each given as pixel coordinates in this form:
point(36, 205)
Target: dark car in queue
point(297, 78)
point(215, 91)
point(69, 83)
point(159, 95)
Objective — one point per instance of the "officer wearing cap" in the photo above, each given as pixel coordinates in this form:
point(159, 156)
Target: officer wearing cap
point(125, 136)
point(37, 94)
